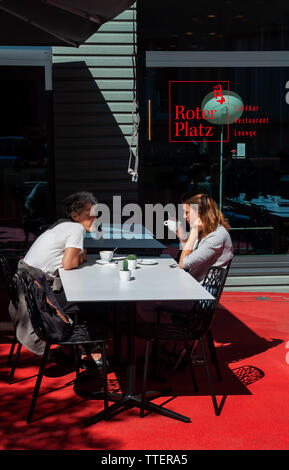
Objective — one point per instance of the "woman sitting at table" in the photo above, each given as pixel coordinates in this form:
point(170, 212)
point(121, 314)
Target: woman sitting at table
point(209, 243)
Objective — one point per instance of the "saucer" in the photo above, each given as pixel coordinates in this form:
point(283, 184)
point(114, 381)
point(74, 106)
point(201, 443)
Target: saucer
point(102, 262)
point(147, 262)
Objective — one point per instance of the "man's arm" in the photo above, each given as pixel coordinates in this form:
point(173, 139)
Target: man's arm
point(72, 258)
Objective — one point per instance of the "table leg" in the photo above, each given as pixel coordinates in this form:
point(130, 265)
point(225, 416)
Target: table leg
point(130, 399)
point(127, 402)
point(117, 333)
point(131, 351)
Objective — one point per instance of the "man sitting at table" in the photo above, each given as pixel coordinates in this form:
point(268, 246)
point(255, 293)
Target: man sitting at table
point(61, 246)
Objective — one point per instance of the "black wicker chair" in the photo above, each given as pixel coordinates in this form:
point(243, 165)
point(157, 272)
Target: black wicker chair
point(13, 296)
point(210, 339)
point(81, 335)
point(188, 328)
point(160, 308)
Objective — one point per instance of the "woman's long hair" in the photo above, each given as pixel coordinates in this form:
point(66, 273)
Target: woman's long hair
point(208, 211)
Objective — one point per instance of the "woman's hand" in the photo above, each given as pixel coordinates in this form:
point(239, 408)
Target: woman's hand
point(181, 233)
point(188, 246)
point(197, 223)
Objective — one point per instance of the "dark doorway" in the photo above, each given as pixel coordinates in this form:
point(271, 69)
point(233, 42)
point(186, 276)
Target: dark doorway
point(24, 205)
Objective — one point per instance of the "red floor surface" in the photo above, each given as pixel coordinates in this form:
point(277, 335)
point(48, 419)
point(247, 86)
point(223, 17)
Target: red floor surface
point(251, 333)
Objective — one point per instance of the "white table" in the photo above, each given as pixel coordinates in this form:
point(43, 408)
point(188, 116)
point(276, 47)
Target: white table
point(92, 282)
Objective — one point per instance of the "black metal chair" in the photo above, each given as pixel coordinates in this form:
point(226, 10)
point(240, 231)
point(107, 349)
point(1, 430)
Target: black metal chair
point(188, 328)
point(13, 296)
point(210, 341)
point(81, 335)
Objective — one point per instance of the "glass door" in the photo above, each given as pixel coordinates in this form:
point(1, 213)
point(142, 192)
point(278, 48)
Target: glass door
point(25, 198)
point(242, 163)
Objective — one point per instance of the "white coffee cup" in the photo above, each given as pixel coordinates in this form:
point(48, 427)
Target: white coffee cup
point(172, 225)
point(106, 255)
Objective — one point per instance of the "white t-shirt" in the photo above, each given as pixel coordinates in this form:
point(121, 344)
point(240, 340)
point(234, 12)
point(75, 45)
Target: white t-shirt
point(47, 251)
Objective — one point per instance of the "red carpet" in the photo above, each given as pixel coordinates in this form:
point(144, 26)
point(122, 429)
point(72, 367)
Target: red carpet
point(251, 333)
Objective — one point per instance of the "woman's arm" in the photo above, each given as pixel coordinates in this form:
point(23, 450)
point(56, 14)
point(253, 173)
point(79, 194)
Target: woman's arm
point(182, 235)
point(188, 245)
point(205, 255)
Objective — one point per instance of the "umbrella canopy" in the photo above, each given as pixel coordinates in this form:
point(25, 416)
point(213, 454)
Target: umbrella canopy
point(55, 22)
point(226, 112)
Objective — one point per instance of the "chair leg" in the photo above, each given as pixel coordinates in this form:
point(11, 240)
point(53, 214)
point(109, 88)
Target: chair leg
point(76, 359)
point(14, 342)
point(213, 395)
point(192, 369)
point(38, 382)
point(155, 349)
point(143, 393)
point(213, 354)
point(117, 335)
point(10, 378)
point(105, 385)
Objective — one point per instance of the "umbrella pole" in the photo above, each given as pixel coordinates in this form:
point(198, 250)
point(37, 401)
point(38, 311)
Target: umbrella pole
point(221, 170)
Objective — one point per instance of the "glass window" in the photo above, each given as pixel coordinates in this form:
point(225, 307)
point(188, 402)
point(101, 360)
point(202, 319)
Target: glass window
point(221, 25)
point(248, 174)
point(23, 158)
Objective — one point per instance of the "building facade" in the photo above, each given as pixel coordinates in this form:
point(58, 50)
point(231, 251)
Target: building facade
point(71, 123)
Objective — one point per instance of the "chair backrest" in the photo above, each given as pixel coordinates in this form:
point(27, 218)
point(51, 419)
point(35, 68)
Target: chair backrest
point(26, 284)
point(221, 287)
point(203, 311)
point(48, 319)
point(9, 280)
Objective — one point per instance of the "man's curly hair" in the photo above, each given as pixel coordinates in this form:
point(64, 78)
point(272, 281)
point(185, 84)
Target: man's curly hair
point(76, 202)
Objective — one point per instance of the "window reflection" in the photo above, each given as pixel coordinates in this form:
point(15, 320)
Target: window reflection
point(23, 158)
point(220, 25)
point(255, 193)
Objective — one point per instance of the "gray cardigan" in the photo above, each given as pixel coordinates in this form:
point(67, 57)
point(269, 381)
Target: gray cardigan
point(20, 316)
point(215, 249)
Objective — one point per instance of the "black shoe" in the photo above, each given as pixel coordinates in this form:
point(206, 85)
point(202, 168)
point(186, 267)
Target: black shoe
point(176, 359)
point(92, 363)
point(197, 360)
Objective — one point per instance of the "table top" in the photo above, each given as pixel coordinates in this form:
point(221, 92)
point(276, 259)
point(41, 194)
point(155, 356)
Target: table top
point(122, 236)
point(92, 282)
point(272, 207)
